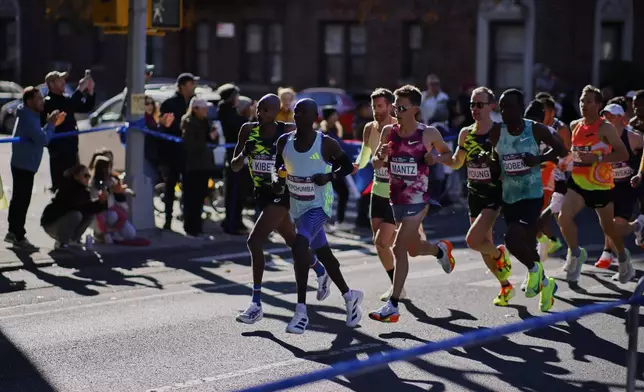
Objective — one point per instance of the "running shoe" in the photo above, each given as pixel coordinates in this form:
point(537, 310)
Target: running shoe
point(535, 281)
point(605, 260)
point(625, 271)
point(447, 261)
point(547, 295)
point(504, 297)
point(639, 233)
point(504, 264)
point(251, 315)
point(524, 284)
point(300, 320)
point(554, 246)
point(324, 287)
point(388, 313)
point(353, 300)
point(573, 273)
point(385, 296)
point(542, 248)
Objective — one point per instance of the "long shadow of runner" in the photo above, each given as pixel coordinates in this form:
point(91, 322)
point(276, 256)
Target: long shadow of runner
point(540, 359)
point(17, 373)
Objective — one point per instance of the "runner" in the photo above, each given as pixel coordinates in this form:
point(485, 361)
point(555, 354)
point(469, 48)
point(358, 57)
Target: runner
point(483, 190)
point(407, 147)
point(595, 146)
point(257, 142)
point(624, 196)
point(637, 125)
point(382, 216)
point(305, 157)
point(548, 241)
point(516, 145)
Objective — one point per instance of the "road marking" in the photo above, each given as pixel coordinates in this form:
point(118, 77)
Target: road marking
point(264, 368)
point(237, 255)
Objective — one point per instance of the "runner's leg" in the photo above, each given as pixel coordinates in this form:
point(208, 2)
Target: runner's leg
point(573, 203)
point(606, 216)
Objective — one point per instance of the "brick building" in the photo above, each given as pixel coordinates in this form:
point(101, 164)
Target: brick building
point(355, 44)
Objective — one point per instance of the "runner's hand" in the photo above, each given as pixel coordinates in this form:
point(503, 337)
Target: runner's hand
point(384, 151)
point(531, 160)
point(636, 180)
point(249, 146)
point(430, 158)
point(588, 158)
point(321, 179)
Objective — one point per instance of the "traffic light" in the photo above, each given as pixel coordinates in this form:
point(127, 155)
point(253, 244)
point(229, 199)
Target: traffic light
point(165, 15)
point(111, 13)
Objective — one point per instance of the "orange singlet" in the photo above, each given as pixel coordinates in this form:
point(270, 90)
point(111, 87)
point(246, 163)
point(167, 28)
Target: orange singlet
point(597, 176)
point(547, 175)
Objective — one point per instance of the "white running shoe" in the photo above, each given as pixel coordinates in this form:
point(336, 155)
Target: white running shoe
point(524, 284)
point(251, 315)
point(352, 300)
point(324, 286)
point(385, 296)
point(625, 271)
point(573, 273)
point(344, 226)
point(300, 320)
point(639, 234)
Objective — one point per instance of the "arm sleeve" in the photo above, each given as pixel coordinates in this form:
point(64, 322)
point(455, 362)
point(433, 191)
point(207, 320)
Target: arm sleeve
point(363, 157)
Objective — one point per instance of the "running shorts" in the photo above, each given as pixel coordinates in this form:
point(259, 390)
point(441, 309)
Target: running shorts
point(592, 199)
point(625, 200)
point(310, 225)
point(476, 203)
point(381, 209)
point(525, 212)
point(264, 198)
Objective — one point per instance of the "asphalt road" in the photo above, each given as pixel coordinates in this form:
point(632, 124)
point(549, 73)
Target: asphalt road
point(167, 323)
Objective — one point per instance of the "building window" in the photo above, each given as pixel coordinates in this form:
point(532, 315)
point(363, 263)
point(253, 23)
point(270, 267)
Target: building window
point(98, 46)
point(203, 48)
point(344, 57)
point(263, 53)
point(507, 55)
point(611, 41)
point(413, 42)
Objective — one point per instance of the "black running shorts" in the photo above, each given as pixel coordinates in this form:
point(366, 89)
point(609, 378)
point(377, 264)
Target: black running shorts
point(525, 212)
point(592, 199)
point(625, 200)
point(477, 202)
point(264, 198)
point(381, 209)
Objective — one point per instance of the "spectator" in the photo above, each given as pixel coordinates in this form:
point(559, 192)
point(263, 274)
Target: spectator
point(200, 162)
point(171, 153)
point(331, 123)
point(364, 115)
point(25, 160)
point(246, 108)
point(286, 95)
point(433, 107)
point(237, 185)
point(149, 71)
point(153, 122)
point(63, 152)
point(112, 225)
point(72, 209)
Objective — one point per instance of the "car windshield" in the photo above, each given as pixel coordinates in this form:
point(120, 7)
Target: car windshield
point(321, 98)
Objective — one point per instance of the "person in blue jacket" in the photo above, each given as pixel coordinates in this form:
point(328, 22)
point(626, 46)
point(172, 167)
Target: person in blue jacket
point(25, 159)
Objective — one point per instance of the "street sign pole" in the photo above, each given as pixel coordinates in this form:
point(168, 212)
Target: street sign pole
point(141, 207)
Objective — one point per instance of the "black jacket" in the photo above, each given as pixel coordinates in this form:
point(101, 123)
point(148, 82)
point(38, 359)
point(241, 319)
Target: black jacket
point(196, 136)
point(171, 153)
point(231, 122)
point(76, 103)
point(71, 196)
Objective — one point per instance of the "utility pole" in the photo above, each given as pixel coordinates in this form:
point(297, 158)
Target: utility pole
point(141, 207)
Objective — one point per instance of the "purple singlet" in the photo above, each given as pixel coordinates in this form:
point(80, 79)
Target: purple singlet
point(409, 174)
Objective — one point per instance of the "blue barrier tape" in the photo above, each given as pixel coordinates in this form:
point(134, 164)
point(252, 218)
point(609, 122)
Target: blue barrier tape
point(468, 339)
point(60, 135)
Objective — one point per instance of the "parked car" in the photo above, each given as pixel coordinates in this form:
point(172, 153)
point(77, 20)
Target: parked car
point(8, 111)
point(110, 114)
point(9, 91)
point(338, 98)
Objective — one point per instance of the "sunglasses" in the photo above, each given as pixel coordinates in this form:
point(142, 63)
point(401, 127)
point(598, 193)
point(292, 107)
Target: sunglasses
point(478, 105)
point(402, 109)
point(87, 176)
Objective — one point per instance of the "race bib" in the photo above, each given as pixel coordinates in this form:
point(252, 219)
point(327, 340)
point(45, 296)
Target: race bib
point(621, 171)
point(576, 152)
point(404, 167)
point(263, 164)
point(513, 165)
point(301, 188)
point(382, 174)
point(479, 173)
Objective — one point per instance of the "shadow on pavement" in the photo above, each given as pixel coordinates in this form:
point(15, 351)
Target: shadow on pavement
point(17, 372)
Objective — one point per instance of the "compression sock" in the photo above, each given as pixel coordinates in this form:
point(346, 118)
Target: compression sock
point(394, 301)
point(257, 293)
point(318, 267)
point(391, 274)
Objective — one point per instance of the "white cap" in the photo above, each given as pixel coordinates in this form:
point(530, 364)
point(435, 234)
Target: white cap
point(199, 103)
point(614, 109)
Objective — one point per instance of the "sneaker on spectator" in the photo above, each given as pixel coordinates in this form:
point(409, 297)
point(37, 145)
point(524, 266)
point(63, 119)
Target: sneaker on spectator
point(344, 226)
point(23, 243)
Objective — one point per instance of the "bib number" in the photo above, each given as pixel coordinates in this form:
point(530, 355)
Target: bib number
point(301, 188)
point(405, 168)
point(478, 173)
point(263, 164)
point(514, 166)
point(382, 174)
point(577, 151)
point(621, 171)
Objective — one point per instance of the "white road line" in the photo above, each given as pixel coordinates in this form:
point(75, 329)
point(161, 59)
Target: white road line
point(263, 368)
point(238, 255)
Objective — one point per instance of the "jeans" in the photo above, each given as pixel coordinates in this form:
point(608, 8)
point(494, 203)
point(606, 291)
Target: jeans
point(69, 228)
point(23, 183)
point(58, 165)
point(171, 177)
point(195, 188)
point(236, 191)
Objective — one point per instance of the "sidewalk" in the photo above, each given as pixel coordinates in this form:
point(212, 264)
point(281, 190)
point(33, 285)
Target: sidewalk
point(161, 241)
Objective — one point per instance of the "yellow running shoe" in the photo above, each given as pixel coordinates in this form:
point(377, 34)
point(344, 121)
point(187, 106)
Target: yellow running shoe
point(547, 297)
point(535, 281)
point(503, 264)
point(504, 297)
point(554, 246)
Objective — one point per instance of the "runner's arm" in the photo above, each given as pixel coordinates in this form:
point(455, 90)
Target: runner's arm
point(566, 136)
point(458, 159)
point(608, 133)
point(552, 140)
point(333, 154)
point(365, 150)
point(237, 163)
point(279, 160)
point(432, 138)
point(378, 158)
